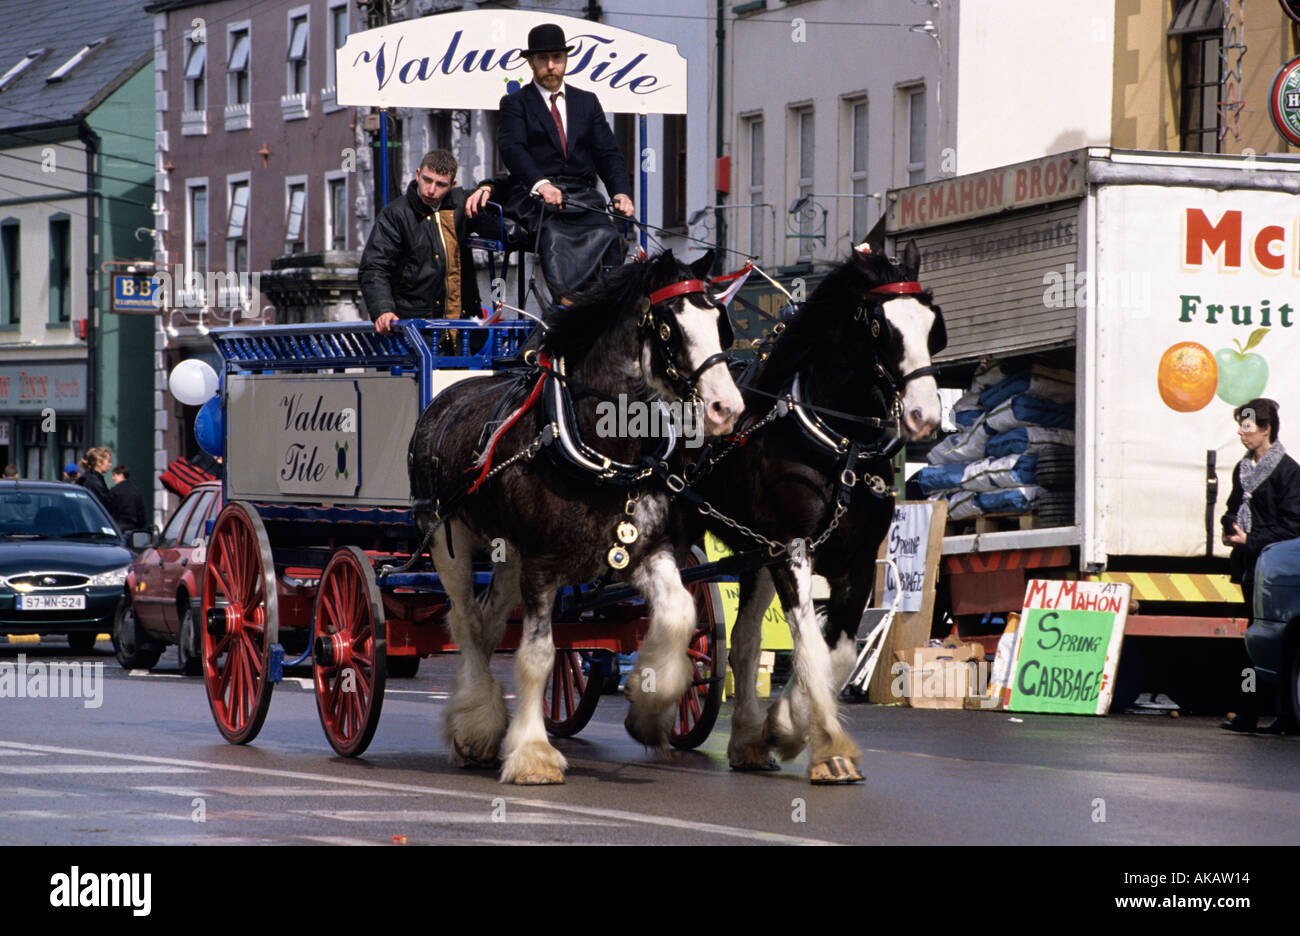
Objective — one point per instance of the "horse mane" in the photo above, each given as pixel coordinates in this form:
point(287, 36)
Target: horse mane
point(573, 329)
point(830, 306)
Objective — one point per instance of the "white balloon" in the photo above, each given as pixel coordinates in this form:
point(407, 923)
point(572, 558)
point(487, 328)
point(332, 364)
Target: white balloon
point(193, 382)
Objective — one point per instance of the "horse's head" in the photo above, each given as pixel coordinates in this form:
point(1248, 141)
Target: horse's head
point(905, 330)
point(683, 332)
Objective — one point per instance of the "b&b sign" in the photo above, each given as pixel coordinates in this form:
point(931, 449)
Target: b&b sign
point(1067, 648)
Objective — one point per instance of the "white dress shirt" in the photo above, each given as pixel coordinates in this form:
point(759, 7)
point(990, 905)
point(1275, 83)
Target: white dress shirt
point(562, 105)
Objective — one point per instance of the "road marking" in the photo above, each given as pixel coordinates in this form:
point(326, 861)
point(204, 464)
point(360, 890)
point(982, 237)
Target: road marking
point(449, 817)
point(273, 791)
point(150, 674)
point(20, 754)
point(94, 769)
point(428, 694)
point(710, 828)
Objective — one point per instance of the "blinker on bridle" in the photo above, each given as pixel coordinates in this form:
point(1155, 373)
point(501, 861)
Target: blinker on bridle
point(872, 310)
point(664, 330)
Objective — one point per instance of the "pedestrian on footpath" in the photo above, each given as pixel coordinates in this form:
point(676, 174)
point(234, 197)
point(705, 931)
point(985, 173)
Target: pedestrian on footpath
point(125, 502)
point(1263, 508)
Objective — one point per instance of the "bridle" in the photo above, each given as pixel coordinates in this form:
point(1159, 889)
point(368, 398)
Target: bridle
point(872, 311)
point(663, 331)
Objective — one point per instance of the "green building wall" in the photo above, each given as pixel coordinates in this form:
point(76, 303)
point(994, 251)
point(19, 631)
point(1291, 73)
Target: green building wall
point(124, 344)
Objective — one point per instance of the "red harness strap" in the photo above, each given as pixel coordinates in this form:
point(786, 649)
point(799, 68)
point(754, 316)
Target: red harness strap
point(677, 289)
point(486, 460)
point(909, 288)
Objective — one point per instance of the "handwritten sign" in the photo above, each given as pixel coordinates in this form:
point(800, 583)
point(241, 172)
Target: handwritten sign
point(909, 536)
point(317, 442)
point(776, 632)
point(470, 60)
point(1068, 646)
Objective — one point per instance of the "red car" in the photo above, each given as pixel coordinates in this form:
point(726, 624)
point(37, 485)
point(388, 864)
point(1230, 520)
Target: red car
point(164, 582)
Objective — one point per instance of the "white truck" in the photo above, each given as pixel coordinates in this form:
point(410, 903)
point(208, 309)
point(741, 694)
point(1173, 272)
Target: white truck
point(1167, 283)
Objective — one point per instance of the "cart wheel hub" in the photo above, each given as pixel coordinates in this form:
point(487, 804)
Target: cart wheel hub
point(222, 621)
point(332, 651)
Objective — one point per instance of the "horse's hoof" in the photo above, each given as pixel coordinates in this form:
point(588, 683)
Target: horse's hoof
point(470, 759)
point(539, 777)
point(836, 769)
point(650, 729)
point(751, 766)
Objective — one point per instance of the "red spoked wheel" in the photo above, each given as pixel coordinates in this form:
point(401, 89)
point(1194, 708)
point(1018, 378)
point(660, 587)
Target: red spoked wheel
point(571, 694)
point(240, 622)
point(349, 651)
point(697, 710)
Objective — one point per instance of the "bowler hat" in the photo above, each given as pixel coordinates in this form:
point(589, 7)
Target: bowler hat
point(547, 37)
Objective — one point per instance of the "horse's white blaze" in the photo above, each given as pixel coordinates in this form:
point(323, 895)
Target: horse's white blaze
point(722, 400)
point(913, 321)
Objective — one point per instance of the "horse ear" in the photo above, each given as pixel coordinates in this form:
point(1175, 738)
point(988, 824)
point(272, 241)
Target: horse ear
point(911, 260)
point(702, 266)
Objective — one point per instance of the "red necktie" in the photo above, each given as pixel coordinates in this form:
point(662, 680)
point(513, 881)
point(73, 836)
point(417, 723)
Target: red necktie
point(559, 124)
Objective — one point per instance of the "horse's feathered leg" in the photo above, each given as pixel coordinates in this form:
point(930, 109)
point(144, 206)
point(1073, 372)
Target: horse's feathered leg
point(663, 671)
point(747, 749)
point(849, 596)
point(476, 715)
point(809, 714)
point(530, 758)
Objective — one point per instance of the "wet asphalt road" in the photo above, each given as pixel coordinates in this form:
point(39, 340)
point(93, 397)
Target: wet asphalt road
point(148, 767)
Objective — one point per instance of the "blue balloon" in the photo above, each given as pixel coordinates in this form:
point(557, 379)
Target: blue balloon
point(209, 427)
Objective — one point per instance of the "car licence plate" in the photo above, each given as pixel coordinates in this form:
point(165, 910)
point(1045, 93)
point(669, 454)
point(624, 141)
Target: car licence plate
point(51, 602)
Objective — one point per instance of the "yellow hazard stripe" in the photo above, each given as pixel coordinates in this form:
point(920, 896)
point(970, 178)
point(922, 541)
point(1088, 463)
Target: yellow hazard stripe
point(1171, 586)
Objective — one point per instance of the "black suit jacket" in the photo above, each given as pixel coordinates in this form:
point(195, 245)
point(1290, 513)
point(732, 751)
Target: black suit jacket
point(530, 143)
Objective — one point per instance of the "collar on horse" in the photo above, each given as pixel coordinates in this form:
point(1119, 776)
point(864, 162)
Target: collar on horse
point(563, 424)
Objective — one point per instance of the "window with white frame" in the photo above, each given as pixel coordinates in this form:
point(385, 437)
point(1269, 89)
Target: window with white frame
point(915, 135)
point(296, 78)
point(857, 114)
point(337, 28)
point(295, 206)
point(11, 293)
point(60, 268)
point(754, 140)
point(804, 128)
point(336, 211)
point(237, 224)
point(237, 66)
point(196, 229)
point(23, 64)
point(196, 61)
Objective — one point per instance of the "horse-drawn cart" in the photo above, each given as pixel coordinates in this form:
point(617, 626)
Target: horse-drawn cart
point(311, 560)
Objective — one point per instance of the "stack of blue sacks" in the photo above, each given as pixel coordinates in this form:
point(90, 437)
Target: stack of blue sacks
point(1012, 415)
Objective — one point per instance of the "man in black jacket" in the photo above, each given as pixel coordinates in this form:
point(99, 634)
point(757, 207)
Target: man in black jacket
point(416, 263)
point(124, 501)
point(554, 140)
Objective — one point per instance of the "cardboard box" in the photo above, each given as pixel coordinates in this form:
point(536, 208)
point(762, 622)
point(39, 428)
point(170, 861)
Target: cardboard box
point(941, 677)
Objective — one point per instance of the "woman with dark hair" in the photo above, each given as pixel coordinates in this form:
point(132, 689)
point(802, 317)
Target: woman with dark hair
point(1263, 508)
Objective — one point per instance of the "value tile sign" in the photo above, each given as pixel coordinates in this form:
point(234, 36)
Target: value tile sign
point(1284, 101)
point(1067, 648)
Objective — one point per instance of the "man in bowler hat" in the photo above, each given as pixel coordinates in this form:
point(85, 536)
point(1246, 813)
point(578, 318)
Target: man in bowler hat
point(555, 141)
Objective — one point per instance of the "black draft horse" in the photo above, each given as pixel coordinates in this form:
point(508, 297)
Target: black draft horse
point(859, 347)
point(585, 505)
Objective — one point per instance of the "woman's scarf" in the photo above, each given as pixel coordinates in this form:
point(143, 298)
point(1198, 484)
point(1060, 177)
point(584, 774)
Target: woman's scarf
point(1252, 476)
